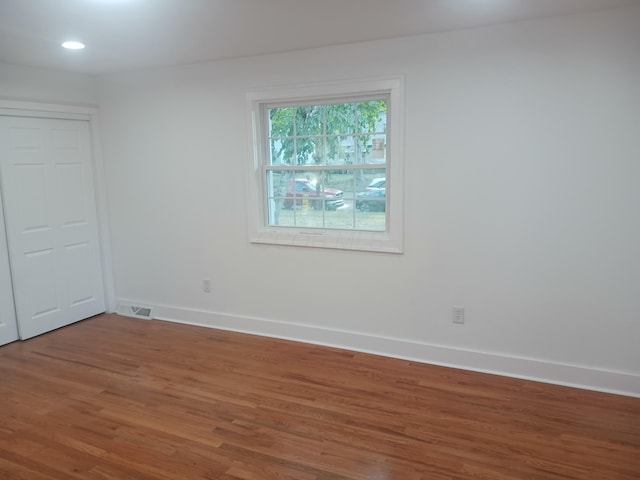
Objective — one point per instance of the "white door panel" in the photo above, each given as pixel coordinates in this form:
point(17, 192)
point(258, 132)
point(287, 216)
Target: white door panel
point(47, 186)
point(8, 325)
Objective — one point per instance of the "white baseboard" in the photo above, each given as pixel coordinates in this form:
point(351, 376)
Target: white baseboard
point(621, 383)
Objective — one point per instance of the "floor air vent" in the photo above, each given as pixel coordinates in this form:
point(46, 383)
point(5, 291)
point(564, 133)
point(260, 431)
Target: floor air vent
point(136, 311)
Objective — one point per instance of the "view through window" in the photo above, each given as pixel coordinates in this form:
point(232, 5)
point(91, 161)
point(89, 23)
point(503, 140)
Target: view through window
point(327, 165)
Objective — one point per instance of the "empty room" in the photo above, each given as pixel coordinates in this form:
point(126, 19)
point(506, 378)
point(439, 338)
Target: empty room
point(319, 240)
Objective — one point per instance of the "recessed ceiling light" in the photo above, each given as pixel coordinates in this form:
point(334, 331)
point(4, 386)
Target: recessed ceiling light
point(72, 45)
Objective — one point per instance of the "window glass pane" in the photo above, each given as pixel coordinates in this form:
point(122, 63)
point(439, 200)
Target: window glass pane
point(281, 121)
point(310, 151)
point(276, 185)
point(303, 200)
point(370, 200)
point(371, 220)
point(285, 217)
point(372, 116)
point(373, 148)
point(340, 219)
point(341, 180)
point(341, 119)
point(281, 151)
point(371, 179)
point(341, 150)
point(310, 120)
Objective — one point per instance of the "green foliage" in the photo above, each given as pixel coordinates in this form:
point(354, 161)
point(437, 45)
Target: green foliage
point(318, 133)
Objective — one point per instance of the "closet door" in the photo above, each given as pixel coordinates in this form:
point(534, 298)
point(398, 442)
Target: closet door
point(46, 181)
point(8, 326)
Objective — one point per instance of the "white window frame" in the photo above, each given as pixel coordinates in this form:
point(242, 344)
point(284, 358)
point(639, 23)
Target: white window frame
point(390, 240)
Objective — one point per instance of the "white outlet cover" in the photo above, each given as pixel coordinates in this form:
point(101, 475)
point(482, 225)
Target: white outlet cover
point(458, 314)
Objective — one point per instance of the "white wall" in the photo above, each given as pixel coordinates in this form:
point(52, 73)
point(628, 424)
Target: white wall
point(36, 84)
point(522, 202)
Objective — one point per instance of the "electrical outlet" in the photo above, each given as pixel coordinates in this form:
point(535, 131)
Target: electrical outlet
point(458, 314)
point(206, 285)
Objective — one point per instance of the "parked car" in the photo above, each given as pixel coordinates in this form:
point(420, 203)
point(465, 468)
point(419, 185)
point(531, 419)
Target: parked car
point(372, 200)
point(377, 184)
point(300, 189)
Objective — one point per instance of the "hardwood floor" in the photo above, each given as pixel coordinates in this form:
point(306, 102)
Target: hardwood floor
point(119, 398)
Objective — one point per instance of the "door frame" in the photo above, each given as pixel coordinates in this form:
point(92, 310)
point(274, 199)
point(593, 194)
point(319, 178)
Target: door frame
point(18, 108)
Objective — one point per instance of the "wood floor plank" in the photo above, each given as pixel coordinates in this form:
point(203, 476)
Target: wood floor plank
point(119, 398)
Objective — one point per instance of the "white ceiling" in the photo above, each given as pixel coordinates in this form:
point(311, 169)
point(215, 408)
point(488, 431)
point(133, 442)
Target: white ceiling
point(131, 34)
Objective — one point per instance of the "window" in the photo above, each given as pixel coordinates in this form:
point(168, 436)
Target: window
point(326, 166)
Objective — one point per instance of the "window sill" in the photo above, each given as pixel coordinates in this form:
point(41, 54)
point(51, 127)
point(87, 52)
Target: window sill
point(380, 242)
